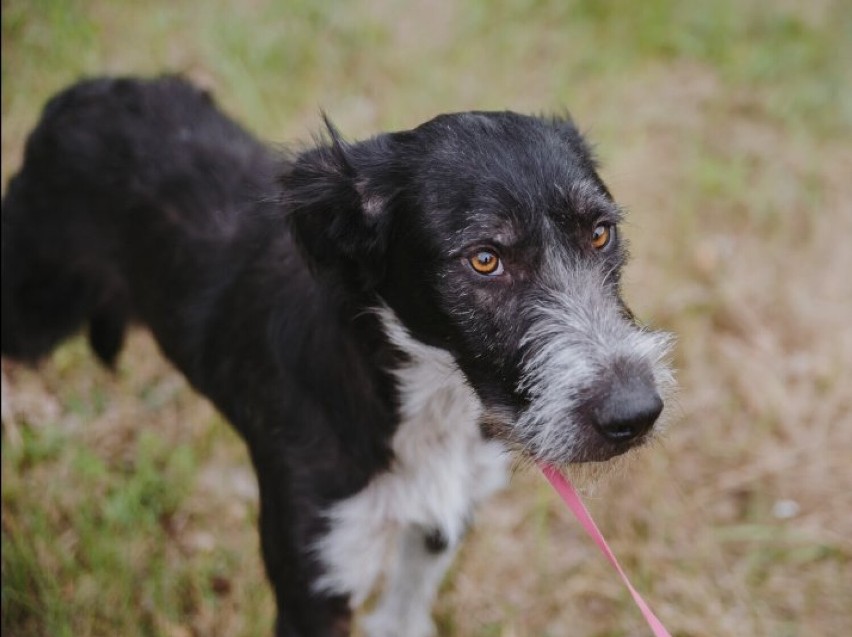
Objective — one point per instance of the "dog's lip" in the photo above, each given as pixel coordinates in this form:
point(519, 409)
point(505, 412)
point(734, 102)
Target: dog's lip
point(613, 451)
point(593, 452)
point(600, 451)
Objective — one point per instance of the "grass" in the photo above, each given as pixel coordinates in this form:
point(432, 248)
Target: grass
point(119, 545)
point(725, 128)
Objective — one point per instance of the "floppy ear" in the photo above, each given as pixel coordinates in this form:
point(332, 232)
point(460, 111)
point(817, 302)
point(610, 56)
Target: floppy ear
point(337, 202)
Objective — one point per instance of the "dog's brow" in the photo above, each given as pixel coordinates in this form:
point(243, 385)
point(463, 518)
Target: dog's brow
point(584, 197)
point(487, 230)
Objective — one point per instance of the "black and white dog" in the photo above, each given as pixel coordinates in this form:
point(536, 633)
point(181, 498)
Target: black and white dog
point(381, 321)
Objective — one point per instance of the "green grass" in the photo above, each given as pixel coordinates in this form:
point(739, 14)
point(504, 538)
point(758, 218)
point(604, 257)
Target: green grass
point(115, 545)
point(724, 127)
point(113, 555)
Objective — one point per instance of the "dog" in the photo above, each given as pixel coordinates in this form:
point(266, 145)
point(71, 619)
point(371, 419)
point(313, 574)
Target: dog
point(385, 323)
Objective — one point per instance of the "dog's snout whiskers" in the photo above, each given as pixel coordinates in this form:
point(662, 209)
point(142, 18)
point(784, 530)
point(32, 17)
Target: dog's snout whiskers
point(596, 379)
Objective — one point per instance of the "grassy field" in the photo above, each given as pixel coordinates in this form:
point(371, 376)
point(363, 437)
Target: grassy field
point(724, 127)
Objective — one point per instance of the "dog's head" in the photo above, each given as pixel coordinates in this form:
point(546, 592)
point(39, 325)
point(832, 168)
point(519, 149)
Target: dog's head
point(491, 236)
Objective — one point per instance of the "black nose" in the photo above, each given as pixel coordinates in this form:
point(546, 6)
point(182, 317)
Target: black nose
point(628, 410)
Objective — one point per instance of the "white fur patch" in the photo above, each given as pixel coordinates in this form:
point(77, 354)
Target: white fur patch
point(442, 468)
point(410, 587)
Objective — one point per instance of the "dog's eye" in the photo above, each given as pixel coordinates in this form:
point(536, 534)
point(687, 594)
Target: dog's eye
point(602, 235)
point(486, 262)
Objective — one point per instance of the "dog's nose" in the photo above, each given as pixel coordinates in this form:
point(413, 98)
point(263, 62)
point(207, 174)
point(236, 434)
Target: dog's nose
point(628, 411)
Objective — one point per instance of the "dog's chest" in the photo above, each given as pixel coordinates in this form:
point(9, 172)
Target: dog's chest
point(442, 468)
point(442, 464)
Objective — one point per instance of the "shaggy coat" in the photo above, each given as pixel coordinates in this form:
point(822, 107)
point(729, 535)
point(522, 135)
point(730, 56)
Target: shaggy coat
point(380, 321)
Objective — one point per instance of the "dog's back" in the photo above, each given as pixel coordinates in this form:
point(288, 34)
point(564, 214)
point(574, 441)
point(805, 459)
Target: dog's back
point(110, 158)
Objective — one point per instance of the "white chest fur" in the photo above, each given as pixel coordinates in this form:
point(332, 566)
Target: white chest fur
point(442, 468)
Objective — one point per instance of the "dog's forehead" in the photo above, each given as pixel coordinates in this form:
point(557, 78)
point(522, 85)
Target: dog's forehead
point(508, 174)
point(481, 139)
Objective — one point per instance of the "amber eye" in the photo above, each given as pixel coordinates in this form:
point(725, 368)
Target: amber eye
point(601, 236)
point(486, 262)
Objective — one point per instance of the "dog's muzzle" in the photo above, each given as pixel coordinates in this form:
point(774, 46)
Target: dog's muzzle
point(594, 379)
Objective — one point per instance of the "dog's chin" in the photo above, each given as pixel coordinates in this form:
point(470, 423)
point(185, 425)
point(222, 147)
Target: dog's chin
point(601, 463)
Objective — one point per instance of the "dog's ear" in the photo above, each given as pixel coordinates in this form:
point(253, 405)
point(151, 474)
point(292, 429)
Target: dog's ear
point(337, 197)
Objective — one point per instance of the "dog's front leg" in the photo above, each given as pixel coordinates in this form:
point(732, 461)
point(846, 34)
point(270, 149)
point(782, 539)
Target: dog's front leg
point(416, 571)
point(302, 611)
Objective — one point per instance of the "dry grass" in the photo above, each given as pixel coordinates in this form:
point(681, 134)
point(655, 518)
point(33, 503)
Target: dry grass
point(726, 129)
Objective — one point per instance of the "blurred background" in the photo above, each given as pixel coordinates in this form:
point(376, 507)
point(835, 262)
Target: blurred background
point(725, 128)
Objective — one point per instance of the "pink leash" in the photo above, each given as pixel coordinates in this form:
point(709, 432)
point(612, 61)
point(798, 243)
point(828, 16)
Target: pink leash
point(566, 490)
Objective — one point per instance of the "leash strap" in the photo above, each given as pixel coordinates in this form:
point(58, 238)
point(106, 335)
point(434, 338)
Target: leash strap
point(567, 492)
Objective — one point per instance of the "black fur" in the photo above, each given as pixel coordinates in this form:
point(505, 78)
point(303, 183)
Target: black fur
point(139, 201)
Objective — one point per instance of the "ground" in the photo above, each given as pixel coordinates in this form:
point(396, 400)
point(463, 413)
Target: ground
point(724, 128)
